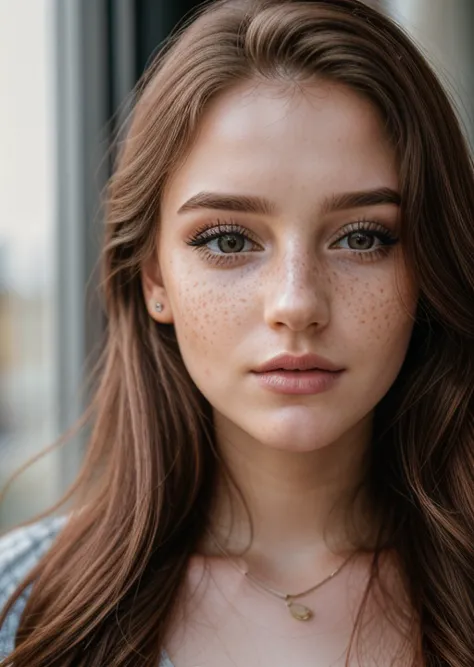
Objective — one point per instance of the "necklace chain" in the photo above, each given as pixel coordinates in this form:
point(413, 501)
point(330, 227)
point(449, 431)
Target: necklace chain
point(258, 582)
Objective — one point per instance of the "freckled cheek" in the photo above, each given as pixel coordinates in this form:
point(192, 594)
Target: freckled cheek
point(375, 312)
point(389, 323)
point(206, 316)
point(381, 321)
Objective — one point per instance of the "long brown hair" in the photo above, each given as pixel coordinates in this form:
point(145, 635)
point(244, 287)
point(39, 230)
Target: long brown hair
point(107, 590)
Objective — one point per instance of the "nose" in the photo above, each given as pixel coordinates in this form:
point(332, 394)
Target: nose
point(297, 291)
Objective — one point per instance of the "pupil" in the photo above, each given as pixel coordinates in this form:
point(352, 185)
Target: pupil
point(230, 243)
point(360, 241)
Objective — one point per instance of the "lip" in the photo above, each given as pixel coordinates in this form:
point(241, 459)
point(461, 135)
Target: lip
point(305, 362)
point(298, 382)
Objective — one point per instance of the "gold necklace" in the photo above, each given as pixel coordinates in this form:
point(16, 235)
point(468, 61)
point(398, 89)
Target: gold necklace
point(299, 611)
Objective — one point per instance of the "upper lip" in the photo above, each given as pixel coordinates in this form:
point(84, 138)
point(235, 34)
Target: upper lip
point(304, 362)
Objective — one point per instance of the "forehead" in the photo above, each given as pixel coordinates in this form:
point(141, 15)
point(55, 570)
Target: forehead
point(287, 142)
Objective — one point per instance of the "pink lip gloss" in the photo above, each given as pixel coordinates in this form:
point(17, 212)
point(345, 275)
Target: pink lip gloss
point(298, 382)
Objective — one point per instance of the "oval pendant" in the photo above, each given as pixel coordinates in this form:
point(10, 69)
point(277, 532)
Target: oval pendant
point(299, 611)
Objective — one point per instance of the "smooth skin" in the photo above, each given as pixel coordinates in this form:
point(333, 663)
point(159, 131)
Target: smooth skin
point(314, 270)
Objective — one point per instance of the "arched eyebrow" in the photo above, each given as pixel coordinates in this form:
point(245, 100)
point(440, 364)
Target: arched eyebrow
point(361, 199)
point(261, 206)
point(229, 202)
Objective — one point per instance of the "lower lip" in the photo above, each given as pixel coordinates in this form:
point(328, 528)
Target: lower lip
point(298, 382)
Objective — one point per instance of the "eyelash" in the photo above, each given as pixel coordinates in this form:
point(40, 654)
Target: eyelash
point(212, 231)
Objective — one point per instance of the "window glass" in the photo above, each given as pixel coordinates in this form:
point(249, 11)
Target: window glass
point(27, 256)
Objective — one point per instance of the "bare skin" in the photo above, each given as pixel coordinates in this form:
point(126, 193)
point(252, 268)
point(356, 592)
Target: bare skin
point(296, 282)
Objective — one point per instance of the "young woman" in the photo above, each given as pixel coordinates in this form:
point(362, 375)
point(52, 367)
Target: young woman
point(281, 467)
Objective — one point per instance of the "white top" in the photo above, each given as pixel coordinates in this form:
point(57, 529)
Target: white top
point(20, 550)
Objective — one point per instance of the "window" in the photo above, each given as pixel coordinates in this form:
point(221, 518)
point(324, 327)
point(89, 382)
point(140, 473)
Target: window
point(28, 269)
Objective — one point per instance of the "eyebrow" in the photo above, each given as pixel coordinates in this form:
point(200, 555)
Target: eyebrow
point(228, 202)
point(261, 206)
point(362, 198)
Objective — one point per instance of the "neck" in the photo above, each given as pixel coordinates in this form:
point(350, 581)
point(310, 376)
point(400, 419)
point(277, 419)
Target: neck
point(298, 503)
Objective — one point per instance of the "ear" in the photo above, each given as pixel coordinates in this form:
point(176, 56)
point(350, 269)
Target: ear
point(154, 291)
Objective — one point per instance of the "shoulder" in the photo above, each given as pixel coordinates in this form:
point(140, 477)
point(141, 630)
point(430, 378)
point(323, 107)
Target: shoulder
point(20, 550)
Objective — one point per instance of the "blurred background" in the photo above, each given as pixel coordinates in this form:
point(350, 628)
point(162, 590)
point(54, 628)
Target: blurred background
point(67, 68)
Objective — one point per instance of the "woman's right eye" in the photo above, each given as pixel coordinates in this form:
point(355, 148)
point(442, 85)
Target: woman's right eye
point(222, 242)
point(228, 243)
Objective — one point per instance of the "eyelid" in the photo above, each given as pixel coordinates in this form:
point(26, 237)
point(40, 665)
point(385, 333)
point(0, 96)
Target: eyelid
point(210, 230)
point(365, 225)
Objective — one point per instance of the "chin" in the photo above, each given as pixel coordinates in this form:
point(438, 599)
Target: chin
point(299, 438)
point(298, 429)
point(297, 446)
point(301, 432)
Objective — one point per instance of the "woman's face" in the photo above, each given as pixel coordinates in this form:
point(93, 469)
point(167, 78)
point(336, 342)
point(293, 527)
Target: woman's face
point(278, 235)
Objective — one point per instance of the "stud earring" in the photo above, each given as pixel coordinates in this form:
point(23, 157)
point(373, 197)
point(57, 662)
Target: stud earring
point(158, 307)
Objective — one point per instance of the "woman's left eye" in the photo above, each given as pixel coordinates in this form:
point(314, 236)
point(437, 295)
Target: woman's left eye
point(362, 240)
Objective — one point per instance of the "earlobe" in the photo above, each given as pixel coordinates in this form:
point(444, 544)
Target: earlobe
point(154, 292)
point(160, 311)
